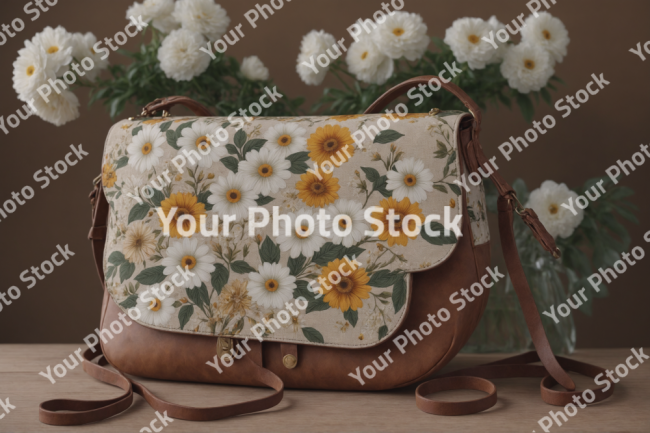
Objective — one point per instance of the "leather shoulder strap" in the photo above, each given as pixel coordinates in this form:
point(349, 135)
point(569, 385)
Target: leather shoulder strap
point(553, 368)
point(77, 412)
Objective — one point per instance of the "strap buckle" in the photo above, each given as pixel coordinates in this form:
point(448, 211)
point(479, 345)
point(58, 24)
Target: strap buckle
point(519, 208)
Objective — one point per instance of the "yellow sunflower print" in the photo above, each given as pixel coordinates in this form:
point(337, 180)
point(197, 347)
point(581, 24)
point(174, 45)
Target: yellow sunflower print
point(401, 209)
point(187, 204)
point(318, 192)
point(350, 289)
point(108, 175)
point(329, 141)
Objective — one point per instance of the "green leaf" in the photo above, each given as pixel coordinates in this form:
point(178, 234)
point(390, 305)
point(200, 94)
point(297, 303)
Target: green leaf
point(546, 96)
point(177, 304)
point(157, 197)
point(371, 174)
point(240, 138)
point(122, 162)
point(126, 270)
point(399, 294)
point(254, 144)
point(302, 289)
point(351, 316)
point(130, 302)
point(526, 106)
point(263, 199)
point(138, 212)
point(116, 258)
point(313, 335)
point(179, 130)
point(231, 163)
point(232, 150)
point(380, 186)
point(383, 331)
point(165, 126)
point(135, 131)
point(203, 198)
point(317, 305)
point(352, 252)
point(455, 188)
point(199, 295)
point(328, 253)
point(441, 239)
point(440, 188)
point(171, 139)
point(219, 277)
point(297, 160)
point(295, 265)
point(269, 251)
point(387, 136)
point(184, 315)
point(241, 267)
point(384, 278)
point(151, 276)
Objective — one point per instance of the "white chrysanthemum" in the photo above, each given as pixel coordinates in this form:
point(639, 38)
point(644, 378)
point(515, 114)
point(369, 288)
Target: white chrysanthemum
point(202, 16)
point(62, 107)
point(30, 70)
point(57, 44)
point(265, 171)
point(354, 210)
point(197, 139)
point(189, 254)
point(411, 180)
point(548, 32)
point(179, 55)
point(82, 46)
point(155, 311)
point(313, 44)
point(300, 243)
point(253, 69)
point(501, 46)
point(272, 286)
point(547, 202)
point(286, 138)
point(145, 150)
point(366, 61)
point(231, 197)
point(402, 34)
point(527, 67)
point(465, 38)
point(158, 12)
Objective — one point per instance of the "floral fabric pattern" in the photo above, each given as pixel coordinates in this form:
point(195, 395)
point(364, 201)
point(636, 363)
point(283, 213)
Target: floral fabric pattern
point(239, 280)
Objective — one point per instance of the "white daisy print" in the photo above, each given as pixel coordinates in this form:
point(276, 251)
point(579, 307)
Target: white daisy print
point(265, 171)
point(286, 138)
point(231, 197)
point(197, 139)
point(353, 210)
point(272, 286)
point(155, 311)
point(189, 254)
point(300, 243)
point(145, 150)
point(411, 180)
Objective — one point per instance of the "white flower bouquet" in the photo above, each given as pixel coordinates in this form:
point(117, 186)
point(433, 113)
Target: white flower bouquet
point(388, 52)
point(178, 60)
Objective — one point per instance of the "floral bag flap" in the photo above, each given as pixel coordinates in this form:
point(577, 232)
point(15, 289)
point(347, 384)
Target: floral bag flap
point(333, 282)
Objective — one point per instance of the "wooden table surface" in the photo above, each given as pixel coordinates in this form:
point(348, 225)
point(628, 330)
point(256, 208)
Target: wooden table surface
point(518, 409)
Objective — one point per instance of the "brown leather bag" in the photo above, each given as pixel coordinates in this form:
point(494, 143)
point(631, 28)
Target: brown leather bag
point(143, 351)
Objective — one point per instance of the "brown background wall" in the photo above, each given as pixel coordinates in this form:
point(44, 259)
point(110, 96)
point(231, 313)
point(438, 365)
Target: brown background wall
point(64, 307)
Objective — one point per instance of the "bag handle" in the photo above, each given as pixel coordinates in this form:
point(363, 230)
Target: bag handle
point(553, 369)
point(165, 104)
